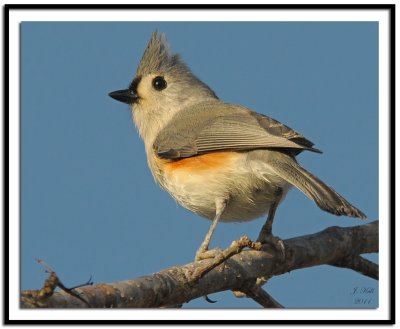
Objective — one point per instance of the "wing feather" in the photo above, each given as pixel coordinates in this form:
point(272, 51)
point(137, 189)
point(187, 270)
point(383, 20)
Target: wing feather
point(216, 126)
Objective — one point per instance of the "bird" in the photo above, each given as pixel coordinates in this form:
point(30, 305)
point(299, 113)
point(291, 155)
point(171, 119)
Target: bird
point(222, 161)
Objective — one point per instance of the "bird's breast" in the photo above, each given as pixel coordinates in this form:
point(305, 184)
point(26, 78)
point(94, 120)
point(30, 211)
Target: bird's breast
point(197, 182)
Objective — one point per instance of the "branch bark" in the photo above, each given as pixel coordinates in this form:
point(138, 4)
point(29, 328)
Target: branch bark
point(176, 285)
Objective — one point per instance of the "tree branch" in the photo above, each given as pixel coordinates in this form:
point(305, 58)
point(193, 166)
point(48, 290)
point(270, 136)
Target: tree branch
point(260, 296)
point(175, 286)
point(361, 265)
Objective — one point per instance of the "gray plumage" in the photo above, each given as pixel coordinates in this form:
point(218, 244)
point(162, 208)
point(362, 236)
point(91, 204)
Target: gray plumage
point(215, 126)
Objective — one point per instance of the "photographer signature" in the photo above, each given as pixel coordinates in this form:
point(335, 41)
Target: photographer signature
point(363, 295)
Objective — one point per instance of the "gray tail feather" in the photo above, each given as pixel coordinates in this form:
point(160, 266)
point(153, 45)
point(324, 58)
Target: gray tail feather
point(324, 196)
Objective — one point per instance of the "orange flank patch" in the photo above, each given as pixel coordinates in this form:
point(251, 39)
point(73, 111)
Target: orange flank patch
point(207, 161)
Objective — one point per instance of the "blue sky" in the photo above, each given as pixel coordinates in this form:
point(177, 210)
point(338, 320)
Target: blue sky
point(89, 205)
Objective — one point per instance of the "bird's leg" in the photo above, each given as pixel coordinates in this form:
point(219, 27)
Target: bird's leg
point(266, 235)
point(203, 252)
point(266, 230)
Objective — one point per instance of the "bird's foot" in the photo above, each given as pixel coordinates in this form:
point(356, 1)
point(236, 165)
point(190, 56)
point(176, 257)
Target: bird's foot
point(219, 256)
point(202, 254)
point(274, 241)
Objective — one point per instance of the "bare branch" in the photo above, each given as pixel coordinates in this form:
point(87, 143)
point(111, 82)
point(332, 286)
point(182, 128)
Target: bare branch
point(361, 265)
point(260, 296)
point(178, 285)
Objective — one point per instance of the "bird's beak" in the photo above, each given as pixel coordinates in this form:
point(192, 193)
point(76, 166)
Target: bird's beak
point(127, 96)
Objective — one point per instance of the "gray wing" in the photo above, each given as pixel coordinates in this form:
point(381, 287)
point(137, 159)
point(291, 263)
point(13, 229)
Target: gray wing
point(216, 126)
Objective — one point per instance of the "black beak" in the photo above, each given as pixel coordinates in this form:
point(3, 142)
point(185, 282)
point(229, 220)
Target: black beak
point(127, 96)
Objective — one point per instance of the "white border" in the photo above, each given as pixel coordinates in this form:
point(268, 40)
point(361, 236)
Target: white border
point(16, 16)
point(184, 15)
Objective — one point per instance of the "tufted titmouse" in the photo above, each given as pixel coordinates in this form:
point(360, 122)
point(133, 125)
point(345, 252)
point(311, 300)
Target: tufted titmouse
point(219, 160)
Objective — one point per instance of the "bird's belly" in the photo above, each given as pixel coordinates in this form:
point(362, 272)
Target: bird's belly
point(196, 183)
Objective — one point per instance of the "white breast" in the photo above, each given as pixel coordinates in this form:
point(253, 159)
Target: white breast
point(197, 182)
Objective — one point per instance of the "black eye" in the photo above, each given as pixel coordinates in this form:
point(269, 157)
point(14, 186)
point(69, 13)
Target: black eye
point(159, 83)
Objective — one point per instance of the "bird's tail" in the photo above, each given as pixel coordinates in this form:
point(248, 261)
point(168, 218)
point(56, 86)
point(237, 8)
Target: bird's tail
point(324, 196)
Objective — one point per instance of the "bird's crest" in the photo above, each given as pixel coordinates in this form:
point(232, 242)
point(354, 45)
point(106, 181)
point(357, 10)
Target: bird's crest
point(158, 58)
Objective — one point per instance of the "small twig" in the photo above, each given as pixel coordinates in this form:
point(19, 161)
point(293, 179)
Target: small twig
point(89, 282)
point(360, 265)
point(51, 283)
point(47, 268)
point(259, 295)
point(72, 292)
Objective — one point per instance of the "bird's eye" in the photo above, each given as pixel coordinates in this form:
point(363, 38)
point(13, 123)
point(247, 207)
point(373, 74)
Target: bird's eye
point(159, 83)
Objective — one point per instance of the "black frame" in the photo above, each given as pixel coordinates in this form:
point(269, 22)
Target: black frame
point(389, 7)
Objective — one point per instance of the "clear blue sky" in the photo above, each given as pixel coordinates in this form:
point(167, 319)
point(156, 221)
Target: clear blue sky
point(89, 204)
